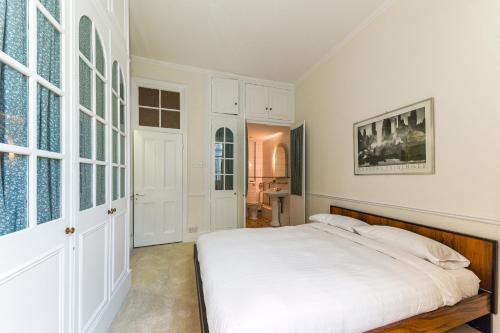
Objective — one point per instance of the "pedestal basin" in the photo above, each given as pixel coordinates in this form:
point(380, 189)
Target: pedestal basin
point(276, 194)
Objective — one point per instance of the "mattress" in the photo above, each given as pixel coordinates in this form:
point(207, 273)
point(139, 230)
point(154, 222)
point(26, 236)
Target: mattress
point(317, 278)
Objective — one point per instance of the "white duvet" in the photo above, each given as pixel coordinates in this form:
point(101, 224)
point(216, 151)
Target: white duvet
point(313, 278)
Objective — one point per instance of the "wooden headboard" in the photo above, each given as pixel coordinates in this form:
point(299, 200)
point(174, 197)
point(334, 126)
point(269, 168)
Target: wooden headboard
point(481, 252)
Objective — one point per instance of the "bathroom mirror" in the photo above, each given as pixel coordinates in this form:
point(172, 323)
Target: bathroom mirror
point(280, 162)
point(251, 160)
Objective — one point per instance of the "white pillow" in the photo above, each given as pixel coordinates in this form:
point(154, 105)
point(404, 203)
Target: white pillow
point(339, 221)
point(418, 245)
point(467, 281)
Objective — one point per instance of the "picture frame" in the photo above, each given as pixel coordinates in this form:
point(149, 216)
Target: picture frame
point(397, 142)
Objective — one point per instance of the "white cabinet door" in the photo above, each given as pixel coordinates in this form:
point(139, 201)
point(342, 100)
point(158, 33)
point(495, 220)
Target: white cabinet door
point(94, 210)
point(280, 104)
point(257, 102)
point(225, 95)
point(118, 184)
point(158, 188)
point(224, 174)
point(35, 249)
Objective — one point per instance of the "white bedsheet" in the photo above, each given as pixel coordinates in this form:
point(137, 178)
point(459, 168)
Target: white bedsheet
point(313, 278)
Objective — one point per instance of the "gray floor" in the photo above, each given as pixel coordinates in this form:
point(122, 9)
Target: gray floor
point(163, 295)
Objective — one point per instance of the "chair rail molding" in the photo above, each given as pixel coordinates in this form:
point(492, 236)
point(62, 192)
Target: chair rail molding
point(472, 218)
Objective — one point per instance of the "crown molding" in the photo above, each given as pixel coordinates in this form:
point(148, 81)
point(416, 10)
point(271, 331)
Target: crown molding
point(206, 71)
point(471, 218)
point(360, 27)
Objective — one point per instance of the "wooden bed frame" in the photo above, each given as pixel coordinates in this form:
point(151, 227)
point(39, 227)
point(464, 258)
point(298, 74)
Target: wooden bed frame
point(475, 311)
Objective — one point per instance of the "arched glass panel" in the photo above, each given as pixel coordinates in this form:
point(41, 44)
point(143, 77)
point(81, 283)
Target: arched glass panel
point(99, 54)
point(85, 37)
point(229, 135)
point(92, 113)
point(219, 135)
point(224, 159)
point(118, 132)
point(115, 76)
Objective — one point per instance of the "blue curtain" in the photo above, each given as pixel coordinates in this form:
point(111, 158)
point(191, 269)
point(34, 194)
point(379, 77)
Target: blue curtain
point(49, 118)
point(13, 118)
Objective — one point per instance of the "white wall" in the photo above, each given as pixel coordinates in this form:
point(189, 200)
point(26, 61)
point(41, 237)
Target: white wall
point(447, 49)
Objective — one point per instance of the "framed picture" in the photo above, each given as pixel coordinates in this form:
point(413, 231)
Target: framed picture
point(396, 142)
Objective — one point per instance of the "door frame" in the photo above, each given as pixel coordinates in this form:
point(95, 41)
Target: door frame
point(135, 83)
point(245, 137)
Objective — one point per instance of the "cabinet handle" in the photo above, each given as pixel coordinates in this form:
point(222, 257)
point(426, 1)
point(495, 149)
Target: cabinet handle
point(235, 103)
point(110, 211)
point(267, 108)
point(270, 109)
point(69, 231)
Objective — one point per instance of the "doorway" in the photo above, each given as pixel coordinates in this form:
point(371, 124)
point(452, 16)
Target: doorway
point(268, 176)
point(158, 188)
point(159, 162)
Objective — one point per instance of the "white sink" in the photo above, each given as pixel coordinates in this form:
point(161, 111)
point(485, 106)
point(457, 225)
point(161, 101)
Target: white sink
point(276, 194)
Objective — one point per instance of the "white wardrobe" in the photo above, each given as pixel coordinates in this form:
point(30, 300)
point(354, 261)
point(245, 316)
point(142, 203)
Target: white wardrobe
point(64, 164)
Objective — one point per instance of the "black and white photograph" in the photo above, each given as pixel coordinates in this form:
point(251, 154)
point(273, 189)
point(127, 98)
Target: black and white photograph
point(397, 142)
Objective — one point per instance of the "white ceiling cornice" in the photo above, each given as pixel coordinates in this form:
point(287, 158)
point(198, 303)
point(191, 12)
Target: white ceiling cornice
point(206, 71)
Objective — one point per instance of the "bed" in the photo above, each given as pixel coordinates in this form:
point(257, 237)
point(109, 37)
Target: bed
point(317, 278)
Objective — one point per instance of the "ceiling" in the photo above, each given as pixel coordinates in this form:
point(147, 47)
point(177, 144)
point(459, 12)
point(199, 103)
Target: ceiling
point(270, 39)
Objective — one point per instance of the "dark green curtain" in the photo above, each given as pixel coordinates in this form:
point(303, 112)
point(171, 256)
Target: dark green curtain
point(296, 152)
point(246, 158)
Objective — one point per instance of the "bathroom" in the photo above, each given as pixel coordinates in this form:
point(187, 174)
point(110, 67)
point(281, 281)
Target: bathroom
point(268, 176)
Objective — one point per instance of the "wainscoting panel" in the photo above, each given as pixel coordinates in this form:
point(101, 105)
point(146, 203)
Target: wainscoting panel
point(35, 288)
point(198, 216)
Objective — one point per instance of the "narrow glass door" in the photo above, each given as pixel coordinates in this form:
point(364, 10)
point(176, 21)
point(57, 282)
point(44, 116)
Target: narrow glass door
point(92, 223)
point(119, 179)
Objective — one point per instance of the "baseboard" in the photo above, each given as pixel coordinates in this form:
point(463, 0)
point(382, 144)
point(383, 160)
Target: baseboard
point(104, 321)
point(190, 238)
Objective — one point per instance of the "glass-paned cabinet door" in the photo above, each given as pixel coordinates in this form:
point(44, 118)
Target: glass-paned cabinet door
point(93, 116)
point(224, 159)
point(118, 135)
point(30, 155)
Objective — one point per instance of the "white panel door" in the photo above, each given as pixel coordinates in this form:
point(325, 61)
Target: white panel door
point(257, 102)
point(298, 200)
point(224, 174)
point(280, 104)
point(157, 188)
point(35, 249)
point(225, 95)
